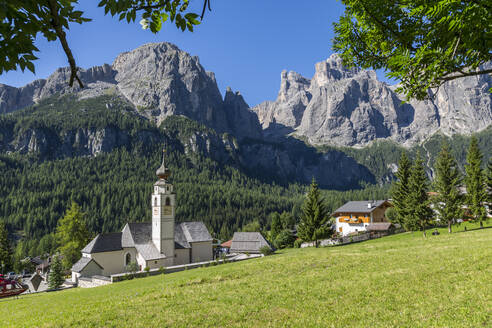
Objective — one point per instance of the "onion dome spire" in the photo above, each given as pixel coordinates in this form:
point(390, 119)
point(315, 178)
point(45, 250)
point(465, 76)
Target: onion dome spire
point(163, 172)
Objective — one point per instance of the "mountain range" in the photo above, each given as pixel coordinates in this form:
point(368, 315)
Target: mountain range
point(338, 108)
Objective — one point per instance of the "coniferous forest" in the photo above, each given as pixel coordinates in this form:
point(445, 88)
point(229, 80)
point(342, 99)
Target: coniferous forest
point(113, 187)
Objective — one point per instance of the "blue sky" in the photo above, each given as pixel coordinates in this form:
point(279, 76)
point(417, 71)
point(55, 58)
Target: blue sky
point(247, 43)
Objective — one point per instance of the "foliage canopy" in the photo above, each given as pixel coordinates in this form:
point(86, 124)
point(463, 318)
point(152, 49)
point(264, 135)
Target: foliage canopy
point(422, 43)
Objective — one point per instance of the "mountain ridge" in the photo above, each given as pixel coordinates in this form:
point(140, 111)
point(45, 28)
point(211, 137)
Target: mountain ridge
point(338, 106)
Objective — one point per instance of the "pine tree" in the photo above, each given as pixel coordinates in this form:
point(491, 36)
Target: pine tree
point(315, 223)
point(399, 190)
point(476, 192)
point(5, 249)
point(72, 235)
point(447, 181)
point(489, 181)
point(276, 225)
point(56, 273)
point(419, 213)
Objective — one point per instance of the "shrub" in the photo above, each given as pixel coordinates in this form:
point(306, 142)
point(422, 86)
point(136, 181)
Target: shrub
point(298, 243)
point(147, 270)
point(284, 239)
point(162, 270)
point(132, 267)
point(265, 250)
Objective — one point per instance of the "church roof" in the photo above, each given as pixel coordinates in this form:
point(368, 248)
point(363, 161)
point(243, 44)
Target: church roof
point(250, 242)
point(139, 235)
point(82, 263)
point(195, 231)
point(104, 243)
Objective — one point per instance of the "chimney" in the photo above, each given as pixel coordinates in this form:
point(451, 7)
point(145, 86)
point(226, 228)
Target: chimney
point(369, 205)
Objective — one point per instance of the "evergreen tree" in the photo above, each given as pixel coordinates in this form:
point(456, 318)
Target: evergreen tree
point(476, 192)
point(72, 235)
point(56, 273)
point(276, 225)
point(419, 213)
point(489, 180)
point(5, 250)
point(315, 223)
point(400, 189)
point(288, 220)
point(447, 181)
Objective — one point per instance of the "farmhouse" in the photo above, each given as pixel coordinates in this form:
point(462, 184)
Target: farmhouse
point(155, 244)
point(356, 216)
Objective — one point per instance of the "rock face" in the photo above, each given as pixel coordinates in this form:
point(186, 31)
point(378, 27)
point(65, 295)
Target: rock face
point(158, 79)
point(350, 107)
point(338, 106)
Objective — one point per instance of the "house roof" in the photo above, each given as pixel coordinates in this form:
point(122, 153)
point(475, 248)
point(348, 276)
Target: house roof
point(226, 244)
point(248, 242)
point(381, 226)
point(360, 206)
point(82, 263)
point(104, 243)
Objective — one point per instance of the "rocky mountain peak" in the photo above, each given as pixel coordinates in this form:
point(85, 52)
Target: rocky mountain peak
point(351, 107)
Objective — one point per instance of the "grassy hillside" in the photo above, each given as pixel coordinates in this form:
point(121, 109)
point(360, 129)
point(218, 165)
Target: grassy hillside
point(398, 281)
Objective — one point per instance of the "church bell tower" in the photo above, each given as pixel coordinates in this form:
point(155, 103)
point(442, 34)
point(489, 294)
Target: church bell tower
point(163, 212)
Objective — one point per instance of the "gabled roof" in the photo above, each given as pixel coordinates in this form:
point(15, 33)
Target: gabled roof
point(195, 232)
point(139, 235)
point(104, 243)
point(226, 244)
point(360, 206)
point(250, 242)
point(380, 226)
point(82, 263)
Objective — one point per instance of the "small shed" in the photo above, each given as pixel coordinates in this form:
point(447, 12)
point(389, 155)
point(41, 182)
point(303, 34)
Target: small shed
point(248, 242)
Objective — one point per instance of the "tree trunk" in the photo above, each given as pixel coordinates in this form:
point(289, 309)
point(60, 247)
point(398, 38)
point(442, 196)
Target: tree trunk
point(481, 224)
point(423, 230)
point(449, 226)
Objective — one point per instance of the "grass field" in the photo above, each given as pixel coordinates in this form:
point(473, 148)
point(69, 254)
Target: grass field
point(397, 281)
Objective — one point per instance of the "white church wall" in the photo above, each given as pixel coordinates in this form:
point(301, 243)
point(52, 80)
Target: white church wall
point(201, 251)
point(112, 262)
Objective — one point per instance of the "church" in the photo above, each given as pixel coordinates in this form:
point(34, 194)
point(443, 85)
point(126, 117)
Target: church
point(160, 243)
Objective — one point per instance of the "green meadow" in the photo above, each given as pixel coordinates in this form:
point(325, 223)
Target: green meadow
point(403, 280)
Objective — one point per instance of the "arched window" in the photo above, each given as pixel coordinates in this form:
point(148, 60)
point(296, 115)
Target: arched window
point(155, 201)
point(168, 201)
point(128, 259)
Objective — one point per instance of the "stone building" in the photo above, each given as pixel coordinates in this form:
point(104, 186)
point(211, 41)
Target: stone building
point(155, 244)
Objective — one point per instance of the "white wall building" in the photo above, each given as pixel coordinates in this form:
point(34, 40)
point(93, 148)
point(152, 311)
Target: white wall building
point(356, 216)
point(155, 244)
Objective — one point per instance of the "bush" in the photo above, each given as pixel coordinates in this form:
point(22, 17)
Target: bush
point(265, 250)
point(284, 239)
point(162, 270)
point(132, 267)
point(147, 270)
point(298, 243)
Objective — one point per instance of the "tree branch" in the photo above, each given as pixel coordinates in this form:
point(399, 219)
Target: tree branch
point(55, 22)
point(464, 74)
